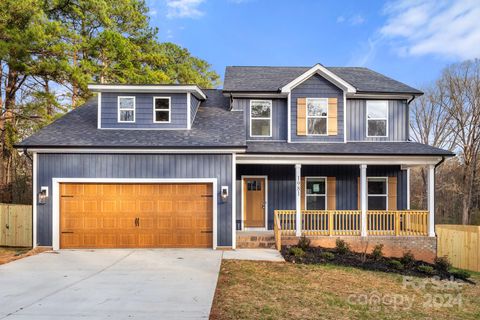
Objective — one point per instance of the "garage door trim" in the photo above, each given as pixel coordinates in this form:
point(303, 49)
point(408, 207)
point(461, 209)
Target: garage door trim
point(56, 198)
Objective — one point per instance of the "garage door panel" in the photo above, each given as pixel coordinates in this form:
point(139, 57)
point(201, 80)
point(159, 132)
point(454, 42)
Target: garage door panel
point(91, 223)
point(108, 205)
point(127, 206)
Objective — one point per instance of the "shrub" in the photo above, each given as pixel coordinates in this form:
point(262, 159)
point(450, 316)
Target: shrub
point(442, 264)
point(461, 274)
point(408, 258)
point(395, 264)
point(377, 252)
point(297, 252)
point(341, 246)
point(426, 269)
point(303, 243)
point(327, 255)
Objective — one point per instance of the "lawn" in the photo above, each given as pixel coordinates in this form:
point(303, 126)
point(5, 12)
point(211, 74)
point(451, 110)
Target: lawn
point(263, 290)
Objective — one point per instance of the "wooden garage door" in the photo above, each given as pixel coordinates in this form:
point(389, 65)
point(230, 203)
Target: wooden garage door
point(135, 215)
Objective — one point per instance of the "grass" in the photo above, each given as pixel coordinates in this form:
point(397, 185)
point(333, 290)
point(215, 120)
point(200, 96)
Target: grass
point(8, 254)
point(263, 290)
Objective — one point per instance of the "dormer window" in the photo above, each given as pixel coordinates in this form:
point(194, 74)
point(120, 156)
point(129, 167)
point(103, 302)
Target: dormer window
point(377, 118)
point(260, 118)
point(161, 109)
point(317, 115)
point(126, 109)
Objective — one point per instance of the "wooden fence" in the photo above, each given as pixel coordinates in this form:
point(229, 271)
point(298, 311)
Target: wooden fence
point(15, 225)
point(461, 244)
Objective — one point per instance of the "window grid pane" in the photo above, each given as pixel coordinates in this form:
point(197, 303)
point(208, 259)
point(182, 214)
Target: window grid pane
point(317, 113)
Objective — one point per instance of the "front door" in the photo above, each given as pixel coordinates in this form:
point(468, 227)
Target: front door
point(254, 202)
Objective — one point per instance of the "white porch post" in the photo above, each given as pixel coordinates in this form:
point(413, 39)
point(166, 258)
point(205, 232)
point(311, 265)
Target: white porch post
point(298, 193)
point(363, 199)
point(431, 200)
point(408, 188)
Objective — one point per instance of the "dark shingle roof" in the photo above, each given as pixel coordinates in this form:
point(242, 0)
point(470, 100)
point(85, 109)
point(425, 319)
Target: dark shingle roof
point(358, 148)
point(214, 126)
point(270, 79)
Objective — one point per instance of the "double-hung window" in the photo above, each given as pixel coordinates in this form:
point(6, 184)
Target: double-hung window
point(126, 109)
point(377, 193)
point(260, 118)
point(317, 115)
point(161, 109)
point(315, 193)
point(377, 118)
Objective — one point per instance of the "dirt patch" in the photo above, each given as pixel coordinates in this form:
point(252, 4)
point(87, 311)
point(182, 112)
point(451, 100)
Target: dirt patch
point(9, 254)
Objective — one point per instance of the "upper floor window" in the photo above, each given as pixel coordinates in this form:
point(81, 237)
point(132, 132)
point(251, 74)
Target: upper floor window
point(317, 114)
point(161, 109)
point(126, 109)
point(377, 118)
point(377, 193)
point(260, 118)
point(315, 193)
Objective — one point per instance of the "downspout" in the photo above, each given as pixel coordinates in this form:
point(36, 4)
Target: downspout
point(25, 152)
point(440, 162)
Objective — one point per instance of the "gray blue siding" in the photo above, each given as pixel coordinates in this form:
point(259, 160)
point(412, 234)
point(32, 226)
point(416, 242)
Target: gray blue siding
point(281, 185)
point(135, 166)
point(194, 104)
point(317, 87)
point(144, 111)
point(357, 121)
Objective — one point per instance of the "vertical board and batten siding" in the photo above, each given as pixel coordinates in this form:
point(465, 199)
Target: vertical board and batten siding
point(164, 166)
point(357, 121)
point(194, 104)
point(317, 87)
point(279, 117)
point(144, 111)
point(281, 184)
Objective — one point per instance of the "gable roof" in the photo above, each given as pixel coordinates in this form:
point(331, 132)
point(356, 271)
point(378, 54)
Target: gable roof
point(272, 79)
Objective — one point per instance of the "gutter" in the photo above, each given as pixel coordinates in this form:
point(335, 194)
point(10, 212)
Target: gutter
point(440, 162)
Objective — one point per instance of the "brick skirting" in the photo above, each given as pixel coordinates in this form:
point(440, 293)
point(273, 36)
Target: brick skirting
point(423, 248)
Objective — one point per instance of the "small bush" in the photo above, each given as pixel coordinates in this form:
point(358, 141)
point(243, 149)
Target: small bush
point(442, 264)
point(327, 255)
point(461, 274)
point(408, 259)
point(297, 252)
point(303, 243)
point(426, 269)
point(377, 252)
point(395, 264)
point(341, 246)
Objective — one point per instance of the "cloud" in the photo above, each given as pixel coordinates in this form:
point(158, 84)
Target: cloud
point(353, 20)
point(184, 8)
point(446, 28)
point(153, 12)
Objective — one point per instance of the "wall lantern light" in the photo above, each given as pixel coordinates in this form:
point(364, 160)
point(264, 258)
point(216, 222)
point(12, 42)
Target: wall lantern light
point(224, 193)
point(43, 195)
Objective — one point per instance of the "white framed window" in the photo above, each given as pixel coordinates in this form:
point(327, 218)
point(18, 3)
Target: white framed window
point(126, 109)
point(260, 118)
point(377, 193)
point(317, 116)
point(161, 109)
point(315, 193)
point(377, 118)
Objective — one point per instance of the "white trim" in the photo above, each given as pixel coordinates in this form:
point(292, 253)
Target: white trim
point(316, 117)
point(386, 118)
point(164, 110)
point(234, 201)
point(189, 111)
point(35, 204)
point(344, 117)
point(56, 198)
point(408, 188)
point(148, 88)
point(324, 72)
point(126, 150)
point(265, 190)
point(261, 118)
point(431, 200)
point(298, 196)
point(99, 110)
point(289, 117)
point(306, 195)
point(381, 96)
point(266, 95)
point(378, 195)
point(363, 199)
point(129, 109)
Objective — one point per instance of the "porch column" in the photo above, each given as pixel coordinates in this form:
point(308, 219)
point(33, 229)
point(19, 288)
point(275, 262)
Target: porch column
point(431, 200)
point(363, 199)
point(298, 193)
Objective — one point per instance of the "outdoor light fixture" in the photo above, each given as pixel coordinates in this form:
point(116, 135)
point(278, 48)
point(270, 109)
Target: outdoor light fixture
point(43, 195)
point(224, 193)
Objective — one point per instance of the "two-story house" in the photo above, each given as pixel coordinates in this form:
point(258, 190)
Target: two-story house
point(316, 151)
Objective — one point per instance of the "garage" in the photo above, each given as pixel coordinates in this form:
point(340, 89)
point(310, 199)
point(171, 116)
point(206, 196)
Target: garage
point(127, 215)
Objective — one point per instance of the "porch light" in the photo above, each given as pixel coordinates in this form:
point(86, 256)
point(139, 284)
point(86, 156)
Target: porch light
point(224, 193)
point(43, 195)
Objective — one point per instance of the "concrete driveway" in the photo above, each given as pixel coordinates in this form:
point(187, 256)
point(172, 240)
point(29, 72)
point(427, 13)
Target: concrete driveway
point(110, 284)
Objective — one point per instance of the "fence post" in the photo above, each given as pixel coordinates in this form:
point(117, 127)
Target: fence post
point(397, 223)
point(330, 223)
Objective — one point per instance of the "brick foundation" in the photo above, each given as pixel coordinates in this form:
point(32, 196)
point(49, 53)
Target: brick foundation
point(423, 248)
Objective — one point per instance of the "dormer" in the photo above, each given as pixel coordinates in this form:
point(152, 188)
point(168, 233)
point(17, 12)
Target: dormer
point(154, 107)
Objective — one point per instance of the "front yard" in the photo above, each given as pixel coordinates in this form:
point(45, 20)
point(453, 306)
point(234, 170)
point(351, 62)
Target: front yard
point(263, 290)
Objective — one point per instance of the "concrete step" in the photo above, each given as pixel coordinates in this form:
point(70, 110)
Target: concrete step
point(255, 241)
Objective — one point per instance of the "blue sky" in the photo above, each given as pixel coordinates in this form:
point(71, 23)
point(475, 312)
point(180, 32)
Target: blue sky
point(408, 40)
